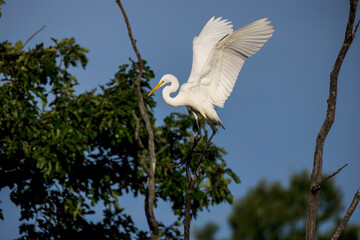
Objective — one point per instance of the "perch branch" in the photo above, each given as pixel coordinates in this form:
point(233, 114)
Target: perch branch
point(314, 192)
point(191, 185)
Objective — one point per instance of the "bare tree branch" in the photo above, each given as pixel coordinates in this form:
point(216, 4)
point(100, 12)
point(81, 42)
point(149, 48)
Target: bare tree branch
point(314, 192)
point(34, 34)
point(150, 196)
point(347, 216)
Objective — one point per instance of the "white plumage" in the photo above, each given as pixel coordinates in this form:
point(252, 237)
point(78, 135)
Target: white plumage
point(218, 55)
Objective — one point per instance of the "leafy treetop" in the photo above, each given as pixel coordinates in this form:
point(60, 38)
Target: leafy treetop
point(62, 153)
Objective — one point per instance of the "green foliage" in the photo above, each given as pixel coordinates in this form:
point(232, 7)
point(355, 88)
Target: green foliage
point(207, 232)
point(62, 153)
point(115, 225)
point(272, 211)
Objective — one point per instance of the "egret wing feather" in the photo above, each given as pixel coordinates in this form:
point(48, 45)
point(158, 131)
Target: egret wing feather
point(227, 57)
point(214, 30)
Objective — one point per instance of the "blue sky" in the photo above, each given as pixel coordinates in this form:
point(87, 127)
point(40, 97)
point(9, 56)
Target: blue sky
point(279, 101)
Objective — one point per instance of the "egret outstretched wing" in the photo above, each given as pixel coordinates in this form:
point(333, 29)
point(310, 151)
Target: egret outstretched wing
point(220, 72)
point(214, 30)
point(218, 55)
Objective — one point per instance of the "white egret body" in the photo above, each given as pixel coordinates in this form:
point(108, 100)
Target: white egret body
point(218, 55)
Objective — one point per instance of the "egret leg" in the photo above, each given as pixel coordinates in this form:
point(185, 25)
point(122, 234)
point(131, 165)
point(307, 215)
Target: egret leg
point(211, 137)
point(197, 138)
point(205, 148)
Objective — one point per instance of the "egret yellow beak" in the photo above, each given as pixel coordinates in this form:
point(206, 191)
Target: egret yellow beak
point(156, 88)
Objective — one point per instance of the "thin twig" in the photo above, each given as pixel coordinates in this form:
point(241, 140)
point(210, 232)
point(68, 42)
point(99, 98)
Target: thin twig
point(357, 25)
point(17, 52)
point(317, 187)
point(150, 194)
point(314, 192)
point(34, 35)
point(330, 176)
point(347, 216)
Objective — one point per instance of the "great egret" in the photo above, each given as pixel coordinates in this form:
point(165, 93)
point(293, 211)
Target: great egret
point(218, 55)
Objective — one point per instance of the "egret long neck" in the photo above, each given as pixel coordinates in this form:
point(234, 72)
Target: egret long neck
point(173, 87)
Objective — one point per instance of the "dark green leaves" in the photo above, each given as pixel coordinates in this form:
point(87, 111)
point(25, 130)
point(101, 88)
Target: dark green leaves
point(72, 53)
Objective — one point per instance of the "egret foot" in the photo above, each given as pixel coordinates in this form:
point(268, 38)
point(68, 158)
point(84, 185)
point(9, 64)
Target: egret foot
point(198, 137)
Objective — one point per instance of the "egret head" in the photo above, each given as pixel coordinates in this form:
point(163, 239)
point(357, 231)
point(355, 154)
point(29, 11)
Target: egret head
point(167, 78)
point(157, 87)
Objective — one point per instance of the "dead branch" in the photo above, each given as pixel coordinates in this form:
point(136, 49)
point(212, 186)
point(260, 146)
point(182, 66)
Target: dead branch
point(150, 195)
point(314, 192)
point(347, 216)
